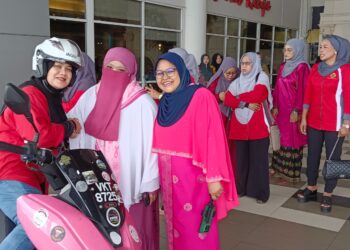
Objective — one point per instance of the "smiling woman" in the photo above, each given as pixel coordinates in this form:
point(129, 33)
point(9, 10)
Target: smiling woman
point(193, 161)
point(54, 61)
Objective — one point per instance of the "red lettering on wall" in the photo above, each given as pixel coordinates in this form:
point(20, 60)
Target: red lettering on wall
point(263, 5)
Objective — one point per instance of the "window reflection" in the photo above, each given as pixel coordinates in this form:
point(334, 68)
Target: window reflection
point(215, 24)
point(120, 11)
point(232, 45)
point(232, 27)
point(247, 45)
point(248, 29)
point(69, 30)
point(277, 56)
point(215, 44)
point(291, 34)
point(108, 36)
point(161, 16)
point(265, 54)
point(266, 32)
point(279, 34)
point(157, 43)
point(67, 8)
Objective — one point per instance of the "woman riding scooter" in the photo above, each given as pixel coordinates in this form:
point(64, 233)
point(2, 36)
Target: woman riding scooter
point(55, 62)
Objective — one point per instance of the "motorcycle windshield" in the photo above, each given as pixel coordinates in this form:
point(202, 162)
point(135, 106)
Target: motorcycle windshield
point(94, 190)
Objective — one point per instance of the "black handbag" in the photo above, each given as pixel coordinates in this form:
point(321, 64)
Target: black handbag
point(336, 169)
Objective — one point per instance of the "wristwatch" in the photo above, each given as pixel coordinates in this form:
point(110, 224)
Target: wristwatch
point(346, 126)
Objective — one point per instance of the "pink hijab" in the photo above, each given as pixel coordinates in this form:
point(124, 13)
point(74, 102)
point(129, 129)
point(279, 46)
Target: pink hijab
point(103, 121)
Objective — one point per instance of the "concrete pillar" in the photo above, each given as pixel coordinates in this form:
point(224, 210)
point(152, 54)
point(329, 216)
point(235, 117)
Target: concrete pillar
point(336, 18)
point(195, 24)
point(23, 25)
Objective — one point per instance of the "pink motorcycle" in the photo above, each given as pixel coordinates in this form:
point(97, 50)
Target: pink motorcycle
point(87, 212)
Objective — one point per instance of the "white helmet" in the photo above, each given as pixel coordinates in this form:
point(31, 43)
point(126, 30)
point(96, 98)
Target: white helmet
point(57, 50)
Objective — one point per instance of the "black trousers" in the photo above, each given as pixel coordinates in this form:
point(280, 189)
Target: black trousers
point(252, 168)
point(315, 140)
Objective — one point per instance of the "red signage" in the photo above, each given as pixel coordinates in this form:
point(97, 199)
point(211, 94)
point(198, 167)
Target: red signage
point(263, 5)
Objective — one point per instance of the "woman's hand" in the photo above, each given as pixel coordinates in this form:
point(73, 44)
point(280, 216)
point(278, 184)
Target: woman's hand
point(303, 126)
point(153, 93)
point(274, 112)
point(254, 106)
point(215, 189)
point(294, 117)
point(222, 96)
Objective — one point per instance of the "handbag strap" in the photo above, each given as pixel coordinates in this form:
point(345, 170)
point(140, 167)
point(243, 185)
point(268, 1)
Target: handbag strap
point(335, 145)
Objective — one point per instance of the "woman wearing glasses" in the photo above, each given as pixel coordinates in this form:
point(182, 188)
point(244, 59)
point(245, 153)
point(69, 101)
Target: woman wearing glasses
point(249, 96)
point(118, 118)
point(287, 107)
point(219, 83)
point(193, 157)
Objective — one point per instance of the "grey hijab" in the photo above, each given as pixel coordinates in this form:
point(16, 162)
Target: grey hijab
point(86, 77)
point(342, 47)
point(223, 83)
point(190, 61)
point(246, 83)
point(298, 47)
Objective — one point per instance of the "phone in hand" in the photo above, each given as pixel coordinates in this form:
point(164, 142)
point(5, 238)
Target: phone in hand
point(207, 217)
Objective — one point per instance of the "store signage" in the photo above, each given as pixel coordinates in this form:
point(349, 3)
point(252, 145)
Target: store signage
point(263, 5)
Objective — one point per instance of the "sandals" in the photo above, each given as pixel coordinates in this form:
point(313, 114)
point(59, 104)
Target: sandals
point(326, 204)
point(307, 195)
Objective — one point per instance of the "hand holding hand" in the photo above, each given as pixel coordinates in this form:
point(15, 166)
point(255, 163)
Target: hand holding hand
point(77, 127)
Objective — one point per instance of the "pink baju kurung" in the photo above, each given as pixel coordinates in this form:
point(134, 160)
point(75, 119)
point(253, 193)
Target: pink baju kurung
point(193, 152)
point(288, 96)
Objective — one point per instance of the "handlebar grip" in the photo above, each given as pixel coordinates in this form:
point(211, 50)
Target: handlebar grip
point(12, 148)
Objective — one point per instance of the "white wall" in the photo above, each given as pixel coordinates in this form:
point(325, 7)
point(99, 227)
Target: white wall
point(282, 13)
point(23, 24)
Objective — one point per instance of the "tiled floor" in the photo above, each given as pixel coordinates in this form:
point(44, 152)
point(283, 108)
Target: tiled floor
point(285, 224)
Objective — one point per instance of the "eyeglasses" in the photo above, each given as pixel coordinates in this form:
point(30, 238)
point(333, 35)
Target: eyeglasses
point(246, 63)
point(170, 72)
point(289, 50)
point(230, 73)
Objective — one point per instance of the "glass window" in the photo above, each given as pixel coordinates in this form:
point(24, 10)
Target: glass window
point(215, 44)
point(108, 36)
point(161, 16)
point(69, 30)
point(277, 57)
point(215, 24)
point(279, 34)
point(247, 45)
point(156, 43)
point(265, 54)
point(232, 47)
point(232, 27)
point(248, 29)
point(266, 32)
point(291, 34)
point(67, 8)
point(120, 11)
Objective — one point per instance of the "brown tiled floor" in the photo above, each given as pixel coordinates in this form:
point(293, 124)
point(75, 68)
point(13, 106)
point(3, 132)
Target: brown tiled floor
point(285, 224)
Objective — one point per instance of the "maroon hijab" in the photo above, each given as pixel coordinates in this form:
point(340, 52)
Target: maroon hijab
point(103, 121)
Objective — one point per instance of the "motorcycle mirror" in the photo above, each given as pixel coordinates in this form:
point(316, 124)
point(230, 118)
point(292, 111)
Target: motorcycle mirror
point(17, 100)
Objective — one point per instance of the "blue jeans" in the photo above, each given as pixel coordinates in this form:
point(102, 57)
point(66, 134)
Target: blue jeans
point(9, 192)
